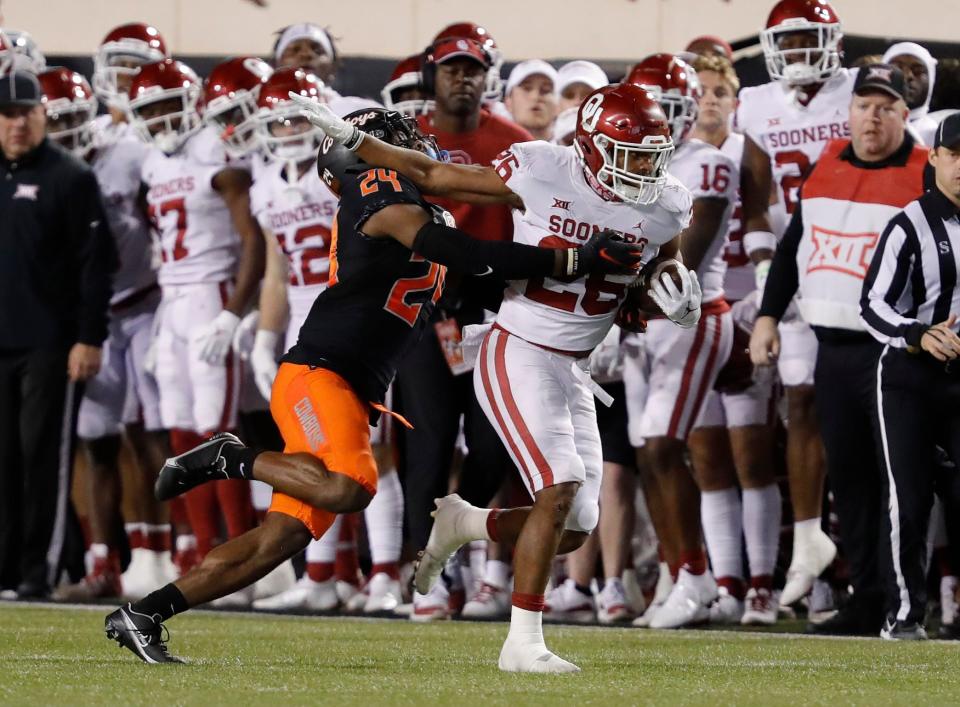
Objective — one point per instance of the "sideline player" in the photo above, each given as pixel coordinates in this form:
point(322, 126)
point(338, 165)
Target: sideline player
point(528, 377)
point(386, 278)
point(211, 253)
point(667, 380)
point(786, 124)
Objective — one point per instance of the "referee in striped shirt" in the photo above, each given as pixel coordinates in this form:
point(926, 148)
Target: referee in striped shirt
point(910, 303)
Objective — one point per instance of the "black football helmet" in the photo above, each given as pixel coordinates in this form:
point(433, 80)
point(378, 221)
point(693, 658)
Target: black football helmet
point(335, 161)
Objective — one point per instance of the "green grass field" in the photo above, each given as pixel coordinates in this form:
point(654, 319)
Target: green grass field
point(60, 656)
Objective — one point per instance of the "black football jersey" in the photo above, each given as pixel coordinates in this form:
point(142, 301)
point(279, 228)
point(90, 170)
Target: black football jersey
point(380, 296)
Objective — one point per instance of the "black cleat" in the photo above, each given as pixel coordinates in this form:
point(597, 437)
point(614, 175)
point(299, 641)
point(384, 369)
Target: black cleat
point(850, 620)
point(141, 634)
point(201, 464)
point(902, 631)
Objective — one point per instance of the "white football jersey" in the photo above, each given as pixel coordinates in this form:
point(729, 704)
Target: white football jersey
point(300, 216)
point(709, 174)
point(563, 210)
point(116, 162)
point(739, 280)
point(191, 222)
point(793, 135)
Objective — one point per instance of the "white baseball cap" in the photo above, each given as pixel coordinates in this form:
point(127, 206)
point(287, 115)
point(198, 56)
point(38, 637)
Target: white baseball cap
point(531, 67)
point(581, 72)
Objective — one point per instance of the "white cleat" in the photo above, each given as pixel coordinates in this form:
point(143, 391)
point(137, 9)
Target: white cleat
point(821, 603)
point(726, 609)
point(489, 602)
point(305, 594)
point(660, 594)
point(612, 604)
point(383, 594)
point(631, 588)
point(446, 537)
point(761, 608)
point(810, 558)
point(432, 606)
point(278, 580)
point(240, 599)
point(144, 573)
point(518, 657)
point(566, 603)
point(688, 603)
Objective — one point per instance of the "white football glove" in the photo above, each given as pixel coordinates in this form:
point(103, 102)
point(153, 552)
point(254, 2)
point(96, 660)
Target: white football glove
point(681, 306)
point(263, 360)
point(213, 340)
point(244, 336)
point(335, 127)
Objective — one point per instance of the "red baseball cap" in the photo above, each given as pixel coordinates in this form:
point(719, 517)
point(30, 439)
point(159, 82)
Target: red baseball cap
point(448, 49)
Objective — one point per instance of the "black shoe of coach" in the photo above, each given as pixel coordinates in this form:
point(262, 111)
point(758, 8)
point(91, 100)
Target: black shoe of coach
point(851, 620)
point(32, 590)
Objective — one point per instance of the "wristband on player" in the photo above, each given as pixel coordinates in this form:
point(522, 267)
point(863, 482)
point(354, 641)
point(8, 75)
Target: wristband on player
point(760, 272)
point(759, 240)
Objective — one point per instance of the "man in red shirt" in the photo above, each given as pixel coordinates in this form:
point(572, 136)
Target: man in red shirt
point(433, 383)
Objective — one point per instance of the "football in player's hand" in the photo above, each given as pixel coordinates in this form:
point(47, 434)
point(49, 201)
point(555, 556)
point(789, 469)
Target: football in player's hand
point(652, 271)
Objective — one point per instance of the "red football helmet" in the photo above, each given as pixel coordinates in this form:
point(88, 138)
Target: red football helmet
point(493, 89)
point(71, 107)
point(406, 76)
point(121, 53)
point(802, 65)
point(284, 133)
point(164, 81)
point(624, 142)
point(230, 101)
point(674, 84)
point(18, 50)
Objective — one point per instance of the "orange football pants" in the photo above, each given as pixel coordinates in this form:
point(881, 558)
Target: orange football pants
point(317, 412)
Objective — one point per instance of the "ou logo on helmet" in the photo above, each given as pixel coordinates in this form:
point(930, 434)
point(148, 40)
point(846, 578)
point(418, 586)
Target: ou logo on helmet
point(590, 112)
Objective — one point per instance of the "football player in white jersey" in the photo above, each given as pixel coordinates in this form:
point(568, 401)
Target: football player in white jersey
point(735, 429)
point(671, 370)
point(786, 124)
point(211, 261)
point(296, 212)
point(122, 394)
point(529, 376)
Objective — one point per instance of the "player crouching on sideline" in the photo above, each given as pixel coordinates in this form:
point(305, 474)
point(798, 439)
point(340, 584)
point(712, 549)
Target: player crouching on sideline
point(529, 378)
point(330, 384)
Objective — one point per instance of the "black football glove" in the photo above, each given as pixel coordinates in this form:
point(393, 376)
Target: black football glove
point(605, 252)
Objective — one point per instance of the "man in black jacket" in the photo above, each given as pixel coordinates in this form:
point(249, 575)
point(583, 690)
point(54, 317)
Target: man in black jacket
point(56, 259)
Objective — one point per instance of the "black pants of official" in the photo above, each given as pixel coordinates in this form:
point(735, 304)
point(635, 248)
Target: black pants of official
point(845, 387)
point(918, 408)
point(433, 400)
point(38, 412)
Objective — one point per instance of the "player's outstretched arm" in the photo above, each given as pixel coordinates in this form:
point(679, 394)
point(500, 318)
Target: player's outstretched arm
point(412, 226)
point(233, 185)
point(469, 183)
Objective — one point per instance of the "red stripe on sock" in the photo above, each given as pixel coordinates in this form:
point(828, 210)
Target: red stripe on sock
point(734, 586)
point(391, 569)
point(693, 561)
point(529, 602)
point(762, 581)
point(320, 571)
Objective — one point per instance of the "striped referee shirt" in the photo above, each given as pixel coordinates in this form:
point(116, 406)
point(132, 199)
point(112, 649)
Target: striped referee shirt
point(912, 280)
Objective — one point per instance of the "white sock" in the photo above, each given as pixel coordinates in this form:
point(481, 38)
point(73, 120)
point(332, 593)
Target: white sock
point(324, 550)
point(473, 522)
point(526, 626)
point(721, 515)
point(99, 551)
point(497, 574)
point(804, 531)
point(384, 517)
point(761, 528)
point(186, 542)
point(477, 552)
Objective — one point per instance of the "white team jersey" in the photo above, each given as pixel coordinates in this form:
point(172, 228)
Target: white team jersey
point(563, 210)
point(300, 216)
point(709, 174)
point(793, 135)
point(117, 162)
point(739, 280)
point(191, 222)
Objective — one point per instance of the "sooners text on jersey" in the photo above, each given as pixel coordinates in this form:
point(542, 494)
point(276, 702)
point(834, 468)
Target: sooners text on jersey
point(563, 210)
